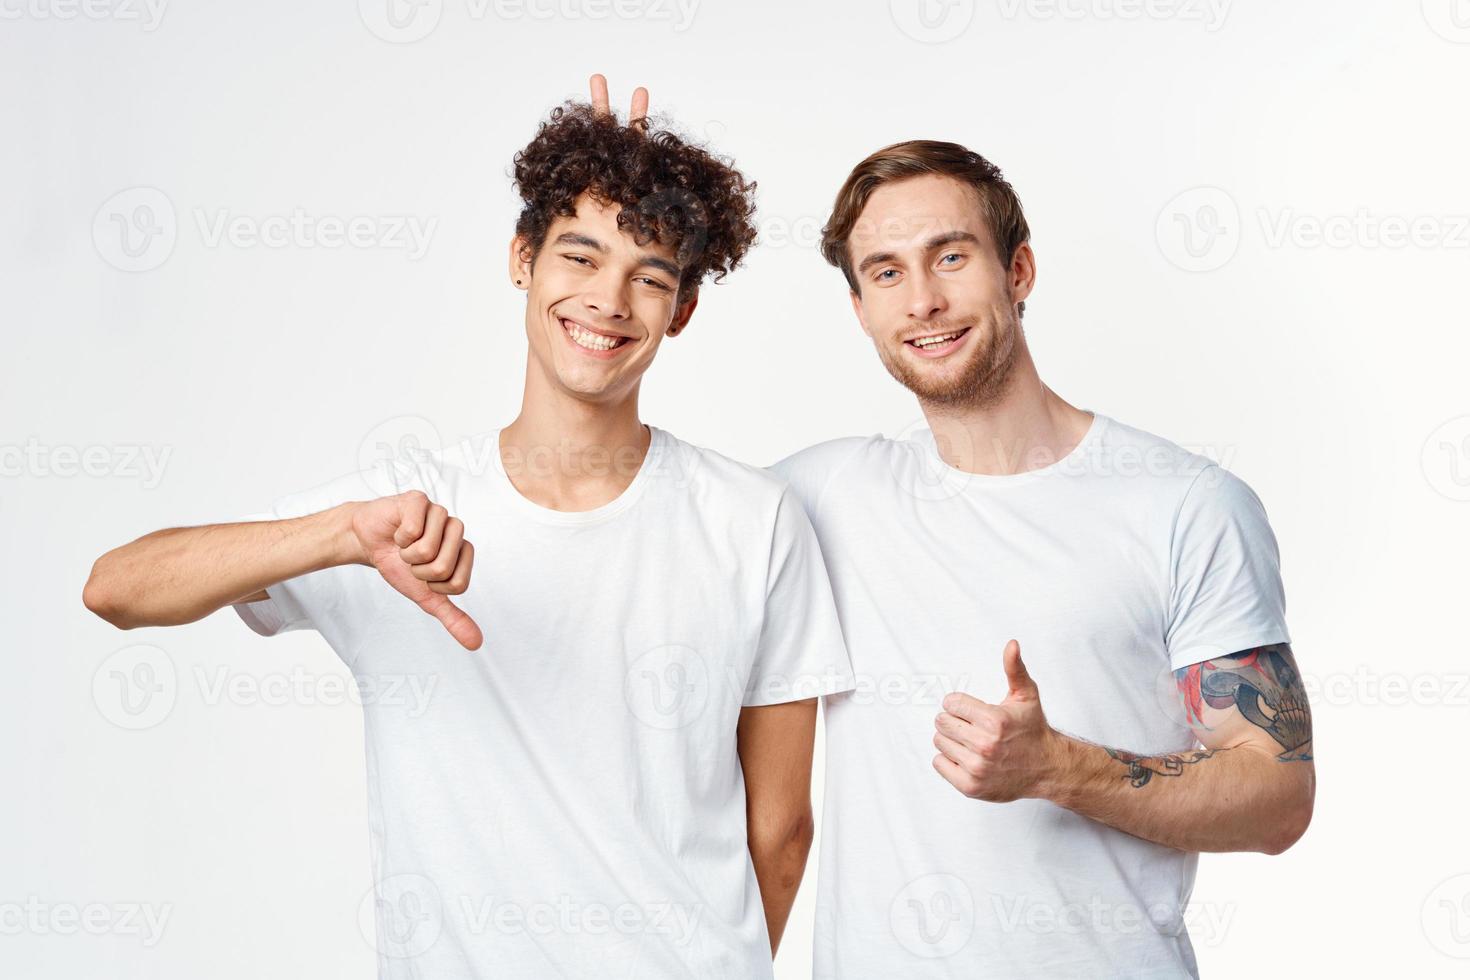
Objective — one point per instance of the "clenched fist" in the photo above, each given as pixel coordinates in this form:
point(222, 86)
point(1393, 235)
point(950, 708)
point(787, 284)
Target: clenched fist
point(998, 752)
point(421, 551)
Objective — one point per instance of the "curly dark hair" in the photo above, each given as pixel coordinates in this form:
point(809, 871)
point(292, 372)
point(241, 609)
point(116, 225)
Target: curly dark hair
point(671, 191)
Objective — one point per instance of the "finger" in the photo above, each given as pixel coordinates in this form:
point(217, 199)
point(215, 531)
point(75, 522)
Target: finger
point(1017, 676)
point(639, 109)
point(957, 752)
point(599, 94)
point(413, 506)
point(442, 565)
point(455, 620)
point(971, 709)
point(953, 774)
point(460, 580)
point(426, 548)
point(961, 730)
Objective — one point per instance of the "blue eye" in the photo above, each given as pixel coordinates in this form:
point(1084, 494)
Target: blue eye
point(886, 272)
point(951, 255)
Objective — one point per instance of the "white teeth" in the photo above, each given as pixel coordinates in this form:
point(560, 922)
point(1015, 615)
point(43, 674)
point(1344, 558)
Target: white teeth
point(590, 340)
point(936, 341)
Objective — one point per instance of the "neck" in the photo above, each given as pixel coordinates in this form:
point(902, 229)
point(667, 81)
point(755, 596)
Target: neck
point(565, 453)
point(1024, 427)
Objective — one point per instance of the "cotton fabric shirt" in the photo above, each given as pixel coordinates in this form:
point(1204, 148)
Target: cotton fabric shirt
point(567, 801)
point(1123, 560)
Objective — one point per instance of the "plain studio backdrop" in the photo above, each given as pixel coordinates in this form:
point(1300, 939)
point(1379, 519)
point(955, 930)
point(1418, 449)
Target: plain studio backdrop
point(248, 248)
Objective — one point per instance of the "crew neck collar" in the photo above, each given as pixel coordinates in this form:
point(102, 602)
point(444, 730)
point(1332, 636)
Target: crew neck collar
point(658, 446)
point(955, 479)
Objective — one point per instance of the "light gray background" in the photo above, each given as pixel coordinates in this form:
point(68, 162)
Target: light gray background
point(1251, 221)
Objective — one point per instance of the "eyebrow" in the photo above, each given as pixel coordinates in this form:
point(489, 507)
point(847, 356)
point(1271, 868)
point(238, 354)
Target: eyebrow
point(586, 241)
point(938, 241)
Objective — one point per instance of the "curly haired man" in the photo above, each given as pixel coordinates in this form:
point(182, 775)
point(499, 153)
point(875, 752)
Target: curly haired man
point(615, 782)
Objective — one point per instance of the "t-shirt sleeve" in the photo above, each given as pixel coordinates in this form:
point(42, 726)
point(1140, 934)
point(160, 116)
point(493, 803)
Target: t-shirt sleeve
point(307, 601)
point(1225, 593)
point(279, 612)
point(808, 471)
point(801, 653)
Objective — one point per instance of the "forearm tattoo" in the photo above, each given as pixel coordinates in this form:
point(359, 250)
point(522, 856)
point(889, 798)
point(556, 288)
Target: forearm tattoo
point(1262, 684)
point(1143, 768)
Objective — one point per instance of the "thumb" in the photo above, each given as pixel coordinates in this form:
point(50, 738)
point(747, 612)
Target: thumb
point(1017, 676)
point(455, 620)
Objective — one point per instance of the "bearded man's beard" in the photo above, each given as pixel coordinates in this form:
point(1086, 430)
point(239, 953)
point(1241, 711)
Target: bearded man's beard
point(980, 381)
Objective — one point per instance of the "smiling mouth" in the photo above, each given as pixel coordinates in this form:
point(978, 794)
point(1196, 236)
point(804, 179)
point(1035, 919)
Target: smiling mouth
point(938, 341)
point(589, 339)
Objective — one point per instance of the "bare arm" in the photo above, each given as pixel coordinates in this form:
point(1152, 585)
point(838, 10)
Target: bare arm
point(179, 575)
point(1250, 788)
point(183, 574)
point(775, 745)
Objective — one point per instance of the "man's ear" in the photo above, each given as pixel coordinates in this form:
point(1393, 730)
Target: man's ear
point(1023, 273)
point(857, 307)
point(520, 262)
point(683, 313)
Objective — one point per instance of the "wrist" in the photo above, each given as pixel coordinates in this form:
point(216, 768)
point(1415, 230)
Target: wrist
point(341, 541)
point(1061, 767)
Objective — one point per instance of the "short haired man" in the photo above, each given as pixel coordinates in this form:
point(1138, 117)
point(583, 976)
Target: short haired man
point(965, 835)
point(616, 784)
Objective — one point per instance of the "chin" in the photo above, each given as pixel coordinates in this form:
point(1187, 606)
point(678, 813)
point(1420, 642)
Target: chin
point(976, 381)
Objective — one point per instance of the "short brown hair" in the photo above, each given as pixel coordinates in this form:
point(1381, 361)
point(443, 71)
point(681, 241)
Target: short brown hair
point(915, 158)
point(671, 191)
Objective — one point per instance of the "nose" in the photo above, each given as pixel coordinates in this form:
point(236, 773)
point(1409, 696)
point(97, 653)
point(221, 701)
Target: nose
point(926, 296)
point(607, 296)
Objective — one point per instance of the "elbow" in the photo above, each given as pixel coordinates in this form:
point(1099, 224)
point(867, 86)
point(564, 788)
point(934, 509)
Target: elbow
point(100, 597)
point(1292, 823)
point(783, 846)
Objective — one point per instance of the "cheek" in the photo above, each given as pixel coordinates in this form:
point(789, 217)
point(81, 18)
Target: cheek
point(654, 313)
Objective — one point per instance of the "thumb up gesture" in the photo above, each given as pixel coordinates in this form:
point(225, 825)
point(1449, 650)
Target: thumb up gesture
point(997, 752)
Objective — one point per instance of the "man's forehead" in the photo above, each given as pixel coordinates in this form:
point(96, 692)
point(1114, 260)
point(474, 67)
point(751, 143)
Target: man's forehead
point(911, 212)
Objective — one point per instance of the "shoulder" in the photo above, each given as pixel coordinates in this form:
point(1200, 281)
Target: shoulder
point(1195, 485)
point(810, 470)
point(712, 476)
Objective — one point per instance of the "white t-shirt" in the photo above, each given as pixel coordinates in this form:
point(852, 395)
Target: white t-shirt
point(1124, 559)
point(567, 801)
